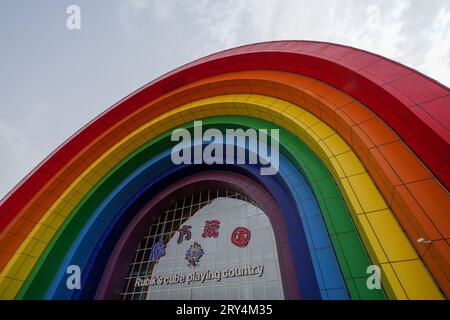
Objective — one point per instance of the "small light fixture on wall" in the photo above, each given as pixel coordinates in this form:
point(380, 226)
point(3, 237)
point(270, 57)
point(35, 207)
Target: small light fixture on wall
point(422, 240)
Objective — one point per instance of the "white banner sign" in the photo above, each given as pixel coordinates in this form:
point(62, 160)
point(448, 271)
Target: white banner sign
point(202, 276)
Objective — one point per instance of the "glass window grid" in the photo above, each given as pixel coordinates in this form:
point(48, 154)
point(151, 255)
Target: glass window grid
point(167, 226)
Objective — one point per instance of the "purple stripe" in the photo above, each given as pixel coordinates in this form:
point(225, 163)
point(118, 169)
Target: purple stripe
point(118, 264)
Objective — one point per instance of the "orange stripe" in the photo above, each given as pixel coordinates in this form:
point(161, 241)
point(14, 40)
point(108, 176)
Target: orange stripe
point(379, 149)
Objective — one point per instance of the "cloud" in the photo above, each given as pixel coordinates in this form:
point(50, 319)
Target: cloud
point(163, 9)
point(26, 141)
point(437, 58)
point(152, 36)
point(134, 15)
point(415, 33)
point(128, 11)
point(219, 23)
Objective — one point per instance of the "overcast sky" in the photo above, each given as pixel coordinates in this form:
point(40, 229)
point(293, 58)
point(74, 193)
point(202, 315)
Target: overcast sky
point(54, 80)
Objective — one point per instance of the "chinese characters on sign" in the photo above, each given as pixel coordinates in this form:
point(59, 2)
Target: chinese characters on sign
point(158, 250)
point(211, 228)
point(240, 237)
point(185, 234)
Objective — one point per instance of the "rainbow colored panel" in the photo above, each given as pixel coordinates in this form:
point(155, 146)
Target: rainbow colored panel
point(363, 180)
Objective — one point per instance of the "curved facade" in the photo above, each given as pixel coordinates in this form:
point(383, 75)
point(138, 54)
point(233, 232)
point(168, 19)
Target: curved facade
point(362, 183)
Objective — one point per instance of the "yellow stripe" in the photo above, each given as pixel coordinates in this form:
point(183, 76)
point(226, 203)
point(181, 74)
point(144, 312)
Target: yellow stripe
point(382, 236)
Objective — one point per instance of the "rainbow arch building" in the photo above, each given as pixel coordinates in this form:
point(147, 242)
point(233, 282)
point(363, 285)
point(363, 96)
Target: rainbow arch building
point(363, 179)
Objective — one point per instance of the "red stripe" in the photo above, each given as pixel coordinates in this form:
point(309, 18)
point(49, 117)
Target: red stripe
point(409, 102)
